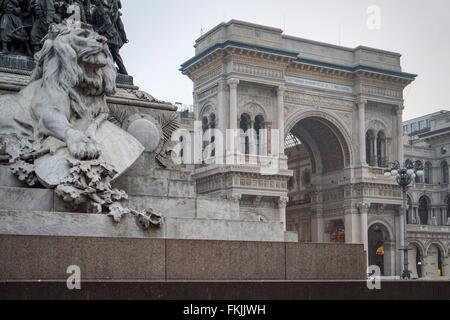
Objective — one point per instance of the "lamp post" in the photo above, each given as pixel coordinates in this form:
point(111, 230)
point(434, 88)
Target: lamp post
point(405, 175)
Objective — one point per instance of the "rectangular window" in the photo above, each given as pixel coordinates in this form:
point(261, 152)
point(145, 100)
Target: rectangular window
point(428, 124)
point(414, 127)
point(422, 125)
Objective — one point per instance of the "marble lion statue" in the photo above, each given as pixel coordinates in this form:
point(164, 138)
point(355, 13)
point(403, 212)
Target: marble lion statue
point(66, 97)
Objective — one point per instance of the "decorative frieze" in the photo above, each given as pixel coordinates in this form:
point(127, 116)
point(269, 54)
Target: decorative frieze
point(208, 93)
point(381, 92)
point(316, 101)
point(328, 86)
point(258, 71)
point(240, 180)
point(209, 75)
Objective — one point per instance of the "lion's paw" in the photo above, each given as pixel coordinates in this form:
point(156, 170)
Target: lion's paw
point(81, 147)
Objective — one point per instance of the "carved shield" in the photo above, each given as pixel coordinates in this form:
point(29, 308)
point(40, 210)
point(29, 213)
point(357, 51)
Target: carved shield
point(119, 149)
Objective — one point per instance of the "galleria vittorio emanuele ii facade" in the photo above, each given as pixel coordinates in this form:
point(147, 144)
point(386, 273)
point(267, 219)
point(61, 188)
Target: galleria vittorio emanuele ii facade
point(339, 115)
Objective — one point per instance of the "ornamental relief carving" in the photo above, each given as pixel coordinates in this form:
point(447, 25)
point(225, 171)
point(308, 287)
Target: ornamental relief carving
point(255, 106)
point(383, 118)
point(346, 118)
point(258, 71)
point(316, 101)
point(256, 91)
point(208, 93)
point(377, 126)
point(253, 110)
point(208, 75)
point(381, 92)
point(208, 108)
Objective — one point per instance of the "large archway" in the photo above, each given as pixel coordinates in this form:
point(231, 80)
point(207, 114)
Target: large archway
point(380, 248)
point(318, 150)
point(324, 142)
point(424, 208)
point(416, 260)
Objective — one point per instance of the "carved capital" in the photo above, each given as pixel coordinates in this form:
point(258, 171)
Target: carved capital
point(235, 197)
point(363, 207)
point(281, 90)
point(361, 102)
point(233, 83)
point(283, 201)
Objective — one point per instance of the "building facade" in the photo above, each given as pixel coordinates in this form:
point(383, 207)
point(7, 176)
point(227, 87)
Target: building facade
point(338, 113)
point(427, 140)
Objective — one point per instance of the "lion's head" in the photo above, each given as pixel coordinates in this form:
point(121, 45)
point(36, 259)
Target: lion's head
point(74, 56)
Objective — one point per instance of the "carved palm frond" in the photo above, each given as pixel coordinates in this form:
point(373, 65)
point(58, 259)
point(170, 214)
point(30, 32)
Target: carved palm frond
point(118, 115)
point(169, 123)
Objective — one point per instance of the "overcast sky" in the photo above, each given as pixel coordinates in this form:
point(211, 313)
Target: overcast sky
point(162, 34)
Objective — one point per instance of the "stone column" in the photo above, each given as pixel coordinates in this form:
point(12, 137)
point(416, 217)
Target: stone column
point(364, 217)
point(233, 83)
point(362, 131)
point(400, 147)
point(196, 107)
point(222, 112)
point(282, 204)
point(280, 112)
point(252, 139)
point(269, 138)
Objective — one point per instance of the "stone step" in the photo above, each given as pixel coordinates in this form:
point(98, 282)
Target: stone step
point(93, 225)
point(159, 187)
point(26, 199)
point(200, 207)
point(34, 199)
point(7, 179)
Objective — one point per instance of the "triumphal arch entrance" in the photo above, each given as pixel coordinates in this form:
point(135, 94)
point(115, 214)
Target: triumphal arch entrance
point(324, 121)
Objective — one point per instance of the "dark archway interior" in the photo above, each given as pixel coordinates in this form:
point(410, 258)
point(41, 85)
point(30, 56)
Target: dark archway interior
point(423, 210)
point(378, 239)
point(324, 137)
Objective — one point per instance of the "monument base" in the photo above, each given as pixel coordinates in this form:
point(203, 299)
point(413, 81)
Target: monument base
point(47, 258)
point(62, 224)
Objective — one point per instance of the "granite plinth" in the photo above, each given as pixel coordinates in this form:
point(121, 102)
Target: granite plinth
point(47, 258)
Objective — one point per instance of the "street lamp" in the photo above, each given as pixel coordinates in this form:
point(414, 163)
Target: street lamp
point(405, 175)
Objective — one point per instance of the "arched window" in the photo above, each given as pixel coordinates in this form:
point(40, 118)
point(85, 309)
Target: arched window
point(423, 210)
point(381, 150)
point(245, 125)
point(205, 124)
point(212, 126)
point(260, 139)
point(448, 212)
point(445, 176)
point(409, 163)
point(419, 165)
point(306, 177)
point(427, 172)
point(410, 211)
point(370, 148)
